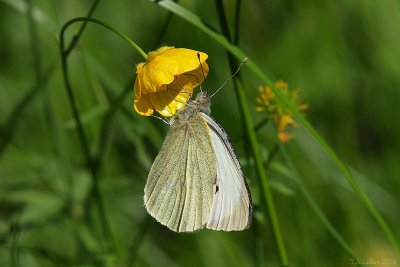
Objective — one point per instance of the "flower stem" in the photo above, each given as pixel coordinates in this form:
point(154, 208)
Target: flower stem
point(98, 22)
point(91, 161)
point(82, 28)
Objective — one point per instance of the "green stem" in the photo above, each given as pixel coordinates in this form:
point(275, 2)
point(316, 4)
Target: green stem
point(98, 22)
point(271, 155)
point(92, 163)
point(237, 22)
point(261, 124)
point(78, 35)
point(265, 188)
point(329, 151)
point(107, 124)
point(72, 101)
point(14, 250)
point(314, 206)
point(12, 121)
point(278, 147)
point(239, 54)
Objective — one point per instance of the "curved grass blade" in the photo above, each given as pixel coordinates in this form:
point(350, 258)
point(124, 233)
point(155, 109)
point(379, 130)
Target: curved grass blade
point(263, 179)
point(314, 206)
point(238, 53)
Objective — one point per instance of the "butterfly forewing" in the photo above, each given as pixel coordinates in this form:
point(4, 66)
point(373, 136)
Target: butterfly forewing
point(180, 189)
point(232, 203)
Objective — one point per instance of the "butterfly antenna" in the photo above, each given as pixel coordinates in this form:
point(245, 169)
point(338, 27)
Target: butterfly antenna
point(164, 120)
point(202, 71)
point(233, 75)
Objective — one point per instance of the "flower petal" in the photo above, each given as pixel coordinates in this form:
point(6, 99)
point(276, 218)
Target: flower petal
point(164, 64)
point(143, 105)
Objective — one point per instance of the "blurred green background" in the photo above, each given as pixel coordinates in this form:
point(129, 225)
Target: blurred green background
point(343, 54)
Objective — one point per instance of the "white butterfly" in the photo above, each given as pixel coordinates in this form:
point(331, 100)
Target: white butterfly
point(196, 180)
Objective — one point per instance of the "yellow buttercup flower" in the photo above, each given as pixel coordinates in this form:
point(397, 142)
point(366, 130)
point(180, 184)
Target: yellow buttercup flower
point(166, 80)
point(278, 113)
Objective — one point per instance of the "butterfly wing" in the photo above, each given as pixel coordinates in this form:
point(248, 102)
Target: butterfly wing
point(232, 203)
point(181, 185)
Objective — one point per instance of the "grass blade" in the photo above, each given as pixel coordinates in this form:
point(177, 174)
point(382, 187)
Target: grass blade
point(263, 180)
point(314, 206)
point(239, 54)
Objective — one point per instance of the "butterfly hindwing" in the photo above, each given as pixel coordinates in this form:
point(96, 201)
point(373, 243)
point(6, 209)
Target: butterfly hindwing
point(232, 203)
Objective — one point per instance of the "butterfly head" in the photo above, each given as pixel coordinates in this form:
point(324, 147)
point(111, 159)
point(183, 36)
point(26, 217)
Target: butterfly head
point(200, 104)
